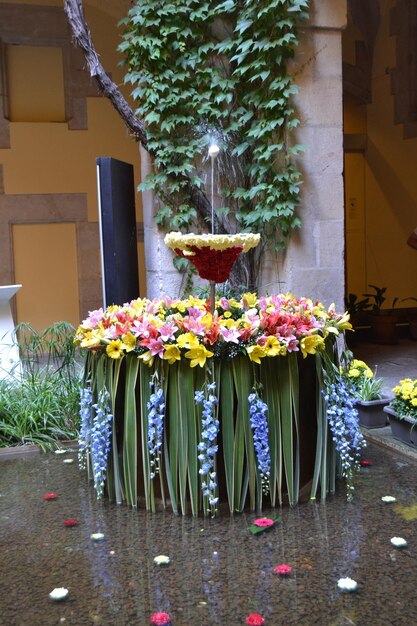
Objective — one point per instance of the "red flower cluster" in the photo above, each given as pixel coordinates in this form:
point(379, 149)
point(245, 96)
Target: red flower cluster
point(159, 619)
point(254, 619)
point(214, 265)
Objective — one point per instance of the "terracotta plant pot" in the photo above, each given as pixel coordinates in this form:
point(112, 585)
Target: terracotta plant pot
point(403, 429)
point(371, 412)
point(384, 328)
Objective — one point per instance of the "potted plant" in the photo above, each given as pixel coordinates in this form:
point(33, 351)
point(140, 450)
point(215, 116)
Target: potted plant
point(368, 391)
point(383, 321)
point(403, 412)
point(357, 313)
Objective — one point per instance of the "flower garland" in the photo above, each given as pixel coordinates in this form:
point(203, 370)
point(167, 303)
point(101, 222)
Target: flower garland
point(166, 329)
point(207, 447)
point(100, 440)
point(84, 437)
point(95, 435)
point(156, 408)
point(259, 423)
point(343, 420)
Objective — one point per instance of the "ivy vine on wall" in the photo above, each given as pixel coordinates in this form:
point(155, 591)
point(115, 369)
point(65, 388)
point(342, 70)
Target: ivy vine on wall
point(208, 71)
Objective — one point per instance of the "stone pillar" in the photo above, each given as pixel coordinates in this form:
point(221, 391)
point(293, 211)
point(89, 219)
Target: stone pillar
point(314, 263)
point(161, 276)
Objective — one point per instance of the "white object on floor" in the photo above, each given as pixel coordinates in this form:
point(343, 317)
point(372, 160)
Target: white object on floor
point(9, 352)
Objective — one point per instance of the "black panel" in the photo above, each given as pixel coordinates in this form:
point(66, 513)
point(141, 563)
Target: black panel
point(118, 231)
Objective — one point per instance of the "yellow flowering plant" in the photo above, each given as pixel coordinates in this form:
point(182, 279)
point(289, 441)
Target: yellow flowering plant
point(366, 385)
point(405, 400)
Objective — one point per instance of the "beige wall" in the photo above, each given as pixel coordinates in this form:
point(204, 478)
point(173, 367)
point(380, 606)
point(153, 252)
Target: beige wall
point(383, 180)
point(48, 167)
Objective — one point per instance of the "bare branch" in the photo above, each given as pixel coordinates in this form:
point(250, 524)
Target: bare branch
point(82, 37)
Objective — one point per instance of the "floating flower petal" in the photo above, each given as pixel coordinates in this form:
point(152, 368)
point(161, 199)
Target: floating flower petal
point(70, 522)
point(254, 619)
point(283, 569)
point(50, 496)
point(399, 542)
point(347, 584)
point(388, 499)
point(58, 594)
point(159, 619)
point(97, 537)
point(162, 559)
point(264, 522)
point(68, 461)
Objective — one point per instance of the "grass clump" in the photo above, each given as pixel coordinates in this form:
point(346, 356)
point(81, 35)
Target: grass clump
point(39, 399)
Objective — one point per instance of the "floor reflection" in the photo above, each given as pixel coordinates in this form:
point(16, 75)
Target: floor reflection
point(219, 572)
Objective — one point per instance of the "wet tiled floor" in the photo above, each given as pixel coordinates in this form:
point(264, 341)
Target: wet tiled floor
point(219, 571)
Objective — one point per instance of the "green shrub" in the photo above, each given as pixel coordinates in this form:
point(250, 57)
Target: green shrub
point(39, 400)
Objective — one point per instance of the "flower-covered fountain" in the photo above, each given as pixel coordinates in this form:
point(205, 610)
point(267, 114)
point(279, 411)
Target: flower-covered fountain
point(196, 402)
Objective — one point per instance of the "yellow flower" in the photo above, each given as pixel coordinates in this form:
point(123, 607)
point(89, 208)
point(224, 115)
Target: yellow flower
point(198, 355)
point(128, 342)
point(147, 357)
point(310, 344)
point(114, 349)
point(188, 340)
point(172, 354)
point(250, 298)
point(343, 323)
point(91, 338)
point(353, 372)
point(255, 353)
point(272, 346)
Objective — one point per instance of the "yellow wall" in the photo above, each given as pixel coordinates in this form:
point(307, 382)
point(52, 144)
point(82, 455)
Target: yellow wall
point(46, 157)
point(42, 270)
point(383, 181)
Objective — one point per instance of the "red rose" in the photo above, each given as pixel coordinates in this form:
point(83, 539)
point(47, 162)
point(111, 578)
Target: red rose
point(159, 619)
point(283, 569)
point(254, 619)
point(70, 522)
point(50, 496)
point(264, 522)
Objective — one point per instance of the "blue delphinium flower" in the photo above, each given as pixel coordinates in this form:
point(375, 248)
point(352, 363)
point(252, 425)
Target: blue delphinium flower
point(156, 408)
point(207, 446)
point(101, 440)
point(343, 420)
point(258, 419)
point(86, 419)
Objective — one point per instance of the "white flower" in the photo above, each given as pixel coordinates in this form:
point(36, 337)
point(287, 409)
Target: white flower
point(60, 451)
point(59, 593)
point(97, 536)
point(398, 542)
point(347, 584)
point(388, 499)
point(162, 559)
point(68, 461)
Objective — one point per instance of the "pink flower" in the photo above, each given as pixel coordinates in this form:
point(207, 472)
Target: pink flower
point(160, 619)
point(50, 496)
point(254, 619)
point(283, 570)
point(70, 522)
point(264, 521)
point(156, 347)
